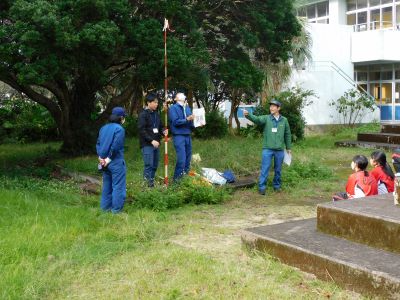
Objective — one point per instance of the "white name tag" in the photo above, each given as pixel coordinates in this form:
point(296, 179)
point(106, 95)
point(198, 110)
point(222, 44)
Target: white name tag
point(274, 129)
point(155, 130)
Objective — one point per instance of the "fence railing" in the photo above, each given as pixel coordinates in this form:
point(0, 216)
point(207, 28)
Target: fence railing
point(376, 25)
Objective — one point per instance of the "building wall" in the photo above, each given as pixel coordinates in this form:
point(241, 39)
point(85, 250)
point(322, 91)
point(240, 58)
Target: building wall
point(375, 45)
point(337, 12)
point(330, 74)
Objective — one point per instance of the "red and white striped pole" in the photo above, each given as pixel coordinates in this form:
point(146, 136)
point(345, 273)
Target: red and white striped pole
point(165, 29)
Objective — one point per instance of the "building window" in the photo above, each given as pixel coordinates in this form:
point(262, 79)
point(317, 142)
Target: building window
point(362, 4)
point(398, 16)
point(374, 2)
point(315, 13)
point(351, 5)
point(397, 93)
point(373, 14)
point(397, 72)
point(380, 81)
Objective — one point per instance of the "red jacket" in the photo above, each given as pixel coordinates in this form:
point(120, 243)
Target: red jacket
point(382, 177)
point(359, 185)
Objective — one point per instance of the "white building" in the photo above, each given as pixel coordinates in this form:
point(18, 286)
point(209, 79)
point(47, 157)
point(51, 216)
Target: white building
point(355, 42)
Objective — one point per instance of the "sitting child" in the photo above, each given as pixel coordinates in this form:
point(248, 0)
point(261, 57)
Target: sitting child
point(396, 160)
point(360, 183)
point(382, 172)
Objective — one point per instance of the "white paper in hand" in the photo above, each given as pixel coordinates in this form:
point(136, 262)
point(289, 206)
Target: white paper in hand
point(199, 117)
point(287, 159)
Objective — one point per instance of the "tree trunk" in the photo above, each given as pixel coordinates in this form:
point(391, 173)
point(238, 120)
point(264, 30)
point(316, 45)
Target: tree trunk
point(190, 98)
point(235, 114)
point(230, 123)
point(235, 103)
point(79, 131)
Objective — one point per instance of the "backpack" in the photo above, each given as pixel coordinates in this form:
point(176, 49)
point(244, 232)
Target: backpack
point(229, 176)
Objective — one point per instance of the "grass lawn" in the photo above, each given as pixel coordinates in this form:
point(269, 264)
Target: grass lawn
point(56, 244)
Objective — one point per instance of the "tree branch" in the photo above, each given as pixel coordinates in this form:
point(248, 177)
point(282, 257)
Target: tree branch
point(51, 106)
point(116, 101)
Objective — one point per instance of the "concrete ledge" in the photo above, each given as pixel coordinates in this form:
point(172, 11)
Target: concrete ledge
point(379, 137)
point(373, 221)
point(353, 266)
point(369, 145)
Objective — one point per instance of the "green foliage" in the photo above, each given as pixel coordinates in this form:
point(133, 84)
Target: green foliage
point(293, 101)
point(131, 126)
point(344, 131)
point(188, 191)
point(22, 120)
point(297, 173)
point(54, 238)
point(216, 126)
point(240, 73)
point(253, 131)
point(353, 106)
point(75, 54)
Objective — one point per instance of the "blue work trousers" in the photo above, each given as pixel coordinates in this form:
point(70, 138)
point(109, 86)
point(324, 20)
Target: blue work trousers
point(183, 148)
point(267, 155)
point(114, 186)
point(151, 156)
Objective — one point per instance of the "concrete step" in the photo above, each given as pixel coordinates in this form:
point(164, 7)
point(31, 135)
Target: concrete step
point(387, 138)
point(369, 145)
point(390, 128)
point(354, 266)
point(374, 221)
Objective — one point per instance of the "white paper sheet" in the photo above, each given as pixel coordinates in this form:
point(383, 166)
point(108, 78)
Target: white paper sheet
point(199, 117)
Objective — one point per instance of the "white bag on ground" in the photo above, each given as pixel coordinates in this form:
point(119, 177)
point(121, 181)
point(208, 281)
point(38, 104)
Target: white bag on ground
point(287, 159)
point(213, 176)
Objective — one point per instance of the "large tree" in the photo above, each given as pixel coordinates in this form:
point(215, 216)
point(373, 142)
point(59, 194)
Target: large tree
point(69, 55)
point(244, 37)
point(80, 57)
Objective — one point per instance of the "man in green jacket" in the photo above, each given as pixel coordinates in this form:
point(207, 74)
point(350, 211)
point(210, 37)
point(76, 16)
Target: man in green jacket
point(277, 137)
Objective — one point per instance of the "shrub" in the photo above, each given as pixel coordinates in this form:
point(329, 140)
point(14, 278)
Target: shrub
point(158, 199)
point(131, 126)
point(216, 126)
point(251, 131)
point(298, 172)
point(293, 102)
point(189, 191)
point(353, 106)
point(22, 120)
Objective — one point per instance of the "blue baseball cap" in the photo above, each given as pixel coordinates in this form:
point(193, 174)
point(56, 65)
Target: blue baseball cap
point(119, 111)
point(151, 97)
point(275, 102)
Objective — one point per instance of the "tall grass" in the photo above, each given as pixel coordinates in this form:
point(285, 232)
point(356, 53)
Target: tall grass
point(56, 244)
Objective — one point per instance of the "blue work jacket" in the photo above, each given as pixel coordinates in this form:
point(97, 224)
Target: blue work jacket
point(110, 142)
point(177, 120)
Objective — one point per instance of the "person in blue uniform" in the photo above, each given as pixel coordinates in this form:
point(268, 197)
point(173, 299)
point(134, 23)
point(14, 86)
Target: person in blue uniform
point(151, 130)
point(181, 125)
point(110, 149)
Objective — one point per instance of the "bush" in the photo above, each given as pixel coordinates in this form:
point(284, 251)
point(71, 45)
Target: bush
point(353, 106)
point(131, 126)
point(22, 120)
point(216, 126)
point(190, 190)
point(251, 131)
point(293, 102)
point(298, 172)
